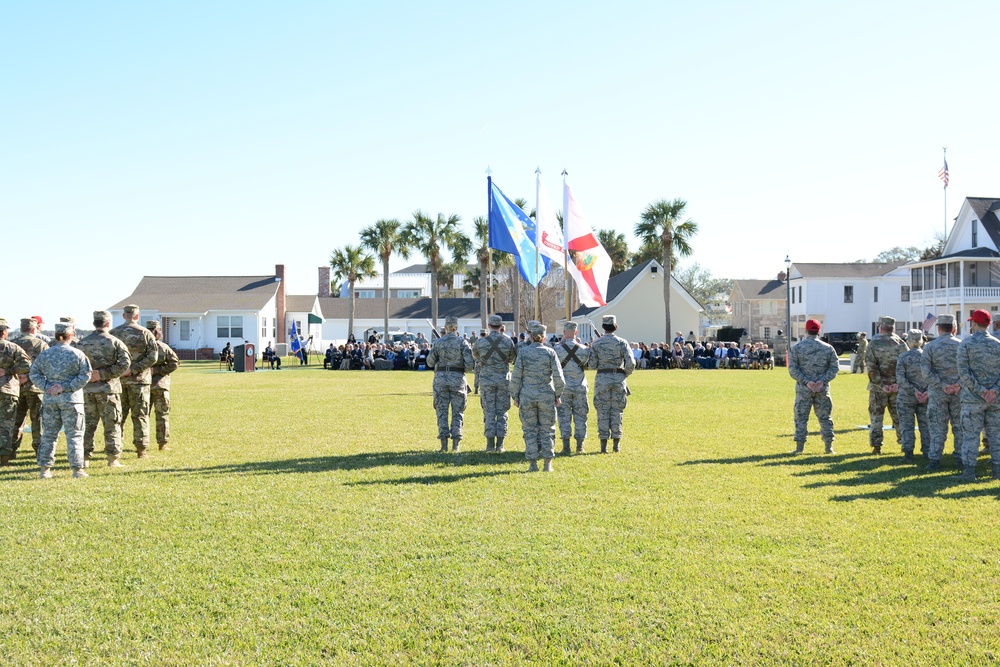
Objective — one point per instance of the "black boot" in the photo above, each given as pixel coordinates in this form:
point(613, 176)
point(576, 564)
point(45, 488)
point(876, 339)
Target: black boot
point(500, 449)
point(444, 444)
point(799, 447)
point(908, 457)
point(617, 447)
point(565, 449)
point(454, 444)
point(829, 447)
point(968, 474)
point(579, 446)
point(604, 446)
point(490, 444)
point(996, 471)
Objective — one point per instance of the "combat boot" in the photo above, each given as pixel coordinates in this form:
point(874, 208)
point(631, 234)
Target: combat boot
point(79, 472)
point(141, 451)
point(617, 445)
point(491, 444)
point(532, 466)
point(579, 446)
point(4, 460)
point(113, 462)
point(934, 465)
point(799, 447)
point(164, 448)
point(444, 445)
point(996, 471)
point(968, 474)
point(500, 449)
point(829, 448)
point(876, 449)
point(604, 446)
point(908, 457)
point(565, 449)
point(45, 473)
point(547, 466)
point(455, 443)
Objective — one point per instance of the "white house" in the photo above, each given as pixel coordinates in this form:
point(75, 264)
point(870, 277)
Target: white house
point(967, 275)
point(849, 297)
point(411, 315)
point(635, 298)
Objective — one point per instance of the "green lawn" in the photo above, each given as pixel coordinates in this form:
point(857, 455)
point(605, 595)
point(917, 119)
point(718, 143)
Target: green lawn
point(304, 517)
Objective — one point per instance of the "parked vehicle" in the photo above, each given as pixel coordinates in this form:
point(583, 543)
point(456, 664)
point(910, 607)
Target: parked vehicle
point(844, 342)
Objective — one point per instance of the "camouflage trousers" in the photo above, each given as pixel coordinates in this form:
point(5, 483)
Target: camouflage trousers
point(574, 408)
point(495, 399)
point(806, 402)
point(445, 397)
point(8, 425)
point(135, 400)
point(29, 406)
point(103, 409)
point(979, 417)
point(878, 401)
point(859, 364)
point(942, 408)
point(55, 417)
point(913, 413)
point(610, 401)
point(538, 422)
point(160, 399)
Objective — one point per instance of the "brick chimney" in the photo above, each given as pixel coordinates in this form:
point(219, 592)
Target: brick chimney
point(279, 276)
point(324, 281)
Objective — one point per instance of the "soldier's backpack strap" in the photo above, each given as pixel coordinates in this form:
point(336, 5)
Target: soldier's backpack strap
point(571, 354)
point(494, 347)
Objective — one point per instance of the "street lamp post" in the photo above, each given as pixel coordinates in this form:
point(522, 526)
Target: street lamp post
point(788, 300)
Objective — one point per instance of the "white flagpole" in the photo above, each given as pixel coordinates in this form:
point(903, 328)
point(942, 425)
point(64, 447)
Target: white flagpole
point(945, 148)
point(538, 232)
point(566, 245)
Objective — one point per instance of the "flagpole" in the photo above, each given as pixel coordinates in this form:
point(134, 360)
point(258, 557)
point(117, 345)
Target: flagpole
point(566, 247)
point(538, 186)
point(945, 149)
point(489, 212)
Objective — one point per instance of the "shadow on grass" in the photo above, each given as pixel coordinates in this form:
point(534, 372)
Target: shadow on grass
point(851, 429)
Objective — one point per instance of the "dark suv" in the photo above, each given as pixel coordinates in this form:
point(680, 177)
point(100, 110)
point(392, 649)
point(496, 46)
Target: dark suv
point(844, 342)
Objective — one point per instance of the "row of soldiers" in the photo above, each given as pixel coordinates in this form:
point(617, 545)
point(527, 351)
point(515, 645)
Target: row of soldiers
point(947, 381)
point(76, 384)
point(545, 384)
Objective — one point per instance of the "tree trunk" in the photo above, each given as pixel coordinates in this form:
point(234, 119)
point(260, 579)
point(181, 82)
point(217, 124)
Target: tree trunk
point(484, 281)
point(667, 240)
point(350, 317)
point(385, 295)
point(434, 297)
point(515, 287)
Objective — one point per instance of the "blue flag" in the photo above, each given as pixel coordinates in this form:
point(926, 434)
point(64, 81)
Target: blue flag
point(513, 232)
point(296, 344)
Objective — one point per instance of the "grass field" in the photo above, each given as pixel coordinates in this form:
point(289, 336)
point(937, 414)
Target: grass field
point(304, 517)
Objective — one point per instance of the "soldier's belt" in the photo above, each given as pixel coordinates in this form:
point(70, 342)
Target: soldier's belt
point(449, 369)
point(610, 370)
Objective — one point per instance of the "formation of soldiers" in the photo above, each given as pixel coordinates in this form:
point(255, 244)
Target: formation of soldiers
point(546, 384)
point(74, 385)
point(947, 381)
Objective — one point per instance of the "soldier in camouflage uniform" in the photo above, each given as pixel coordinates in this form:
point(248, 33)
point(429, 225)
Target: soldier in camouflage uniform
point(29, 404)
point(102, 403)
point(911, 401)
point(536, 384)
point(859, 358)
point(612, 357)
point(573, 357)
point(14, 365)
point(813, 364)
point(166, 363)
point(995, 332)
point(940, 366)
point(494, 354)
point(979, 370)
point(450, 358)
point(136, 380)
point(880, 360)
point(61, 373)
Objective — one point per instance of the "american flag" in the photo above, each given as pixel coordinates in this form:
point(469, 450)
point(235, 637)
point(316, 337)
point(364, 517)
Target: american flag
point(943, 174)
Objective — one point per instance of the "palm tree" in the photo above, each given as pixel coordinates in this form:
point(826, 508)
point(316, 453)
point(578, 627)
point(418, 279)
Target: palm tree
point(617, 247)
point(429, 236)
point(661, 225)
point(350, 263)
point(384, 238)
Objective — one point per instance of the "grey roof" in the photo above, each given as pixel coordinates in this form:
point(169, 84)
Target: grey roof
point(299, 303)
point(852, 270)
point(761, 289)
point(971, 252)
point(986, 209)
point(420, 308)
point(424, 268)
point(199, 294)
point(619, 282)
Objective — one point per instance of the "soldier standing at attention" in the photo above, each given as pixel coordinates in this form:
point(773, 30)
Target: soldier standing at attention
point(880, 360)
point(29, 404)
point(979, 370)
point(911, 401)
point(61, 373)
point(450, 357)
point(940, 366)
point(535, 386)
point(482, 335)
point(859, 358)
point(14, 365)
point(573, 357)
point(494, 354)
point(135, 381)
point(166, 363)
point(102, 402)
point(813, 364)
point(612, 357)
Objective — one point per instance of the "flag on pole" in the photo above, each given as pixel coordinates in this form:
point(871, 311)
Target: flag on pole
point(589, 262)
point(296, 343)
point(929, 322)
point(943, 174)
point(513, 232)
point(550, 243)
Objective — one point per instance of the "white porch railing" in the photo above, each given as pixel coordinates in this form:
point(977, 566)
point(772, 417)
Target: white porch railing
point(954, 294)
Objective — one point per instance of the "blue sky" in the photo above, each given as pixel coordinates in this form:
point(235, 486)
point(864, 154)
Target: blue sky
point(222, 138)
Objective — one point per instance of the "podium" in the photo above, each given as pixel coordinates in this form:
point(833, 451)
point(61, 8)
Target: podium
point(245, 358)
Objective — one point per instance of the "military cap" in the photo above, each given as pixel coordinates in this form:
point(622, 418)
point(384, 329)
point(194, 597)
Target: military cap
point(26, 322)
point(532, 323)
point(130, 309)
point(570, 326)
point(812, 325)
point(152, 325)
point(980, 317)
point(537, 329)
point(495, 320)
point(3, 322)
point(609, 321)
point(914, 336)
point(102, 316)
point(65, 327)
point(451, 321)
point(886, 321)
point(946, 319)
point(38, 318)
point(482, 332)
point(996, 316)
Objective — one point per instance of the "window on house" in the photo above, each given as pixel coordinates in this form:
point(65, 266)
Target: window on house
point(875, 295)
point(793, 296)
point(904, 293)
point(229, 326)
point(848, 293)
point(364, 294)
point(767, 333)
point(263, 327)
point(916, 279)
point(800, 293)
point(972, 274)
point(185, 329)
point(940, 276)
point(928, 277)
point(975, 233)
point(954, 275)
point(408, 294)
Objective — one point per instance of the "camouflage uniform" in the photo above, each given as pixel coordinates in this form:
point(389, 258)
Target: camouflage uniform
point(573, 357)
point(14, 361)
point(612, 357)
point(494, 354)
point(135, 387)
point(535, 384)
point(979, 369)
point(450, 357)
point(29, 404)
point(859, 358)
point(911, 380)
point(880, 360)
point(812, 360)
point(102, 399)
point(64, 365)
point(166, 363)
point(940, 366)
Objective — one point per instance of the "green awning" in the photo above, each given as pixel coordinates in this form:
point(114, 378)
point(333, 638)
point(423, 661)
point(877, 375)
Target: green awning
point(315, 319)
